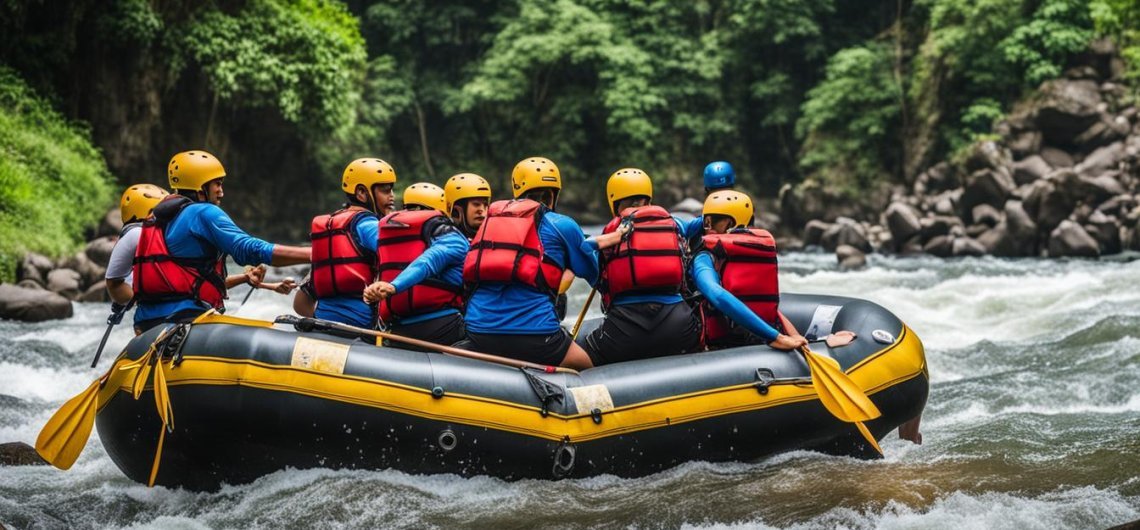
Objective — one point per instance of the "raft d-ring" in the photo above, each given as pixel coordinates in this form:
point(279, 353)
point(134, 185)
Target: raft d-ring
point(564, 458)
point(447, 440)
point(596, 415)
point(764, 379)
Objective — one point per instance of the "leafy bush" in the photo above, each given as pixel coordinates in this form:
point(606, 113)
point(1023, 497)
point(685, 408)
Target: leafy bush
point(54, 184)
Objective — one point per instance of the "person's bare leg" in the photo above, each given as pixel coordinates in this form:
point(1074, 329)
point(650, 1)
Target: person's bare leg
point(576, 358)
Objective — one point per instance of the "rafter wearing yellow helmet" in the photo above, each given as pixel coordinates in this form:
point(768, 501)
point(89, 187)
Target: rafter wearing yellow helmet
point(468, 196)
point(368, 182)
point(628, 183)
point(733, 205)
point(537, 178)
point(138, 202)
point(425, 196)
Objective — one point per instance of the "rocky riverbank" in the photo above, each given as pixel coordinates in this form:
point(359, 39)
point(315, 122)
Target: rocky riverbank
point(45, 287)
point(1059, 178)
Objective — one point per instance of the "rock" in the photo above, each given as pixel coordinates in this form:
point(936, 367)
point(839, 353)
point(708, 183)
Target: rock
point(1056, 157)
point(902, 221)
point(111, 225)
point(1082, 72)
point(937, 226)
point(34, 267)
point(939, 178)
point(30, 284)
point(1106, 231)
point(967, 246)
point(1097, 190)
point(1065, 108)
point(1107, 130)
point(1048, 204)
point(1116, 206)
point(689, 205)
point(1030, 170)
point(99, 250)
point(30, 305)
point(1021, 227)
point(96, 293)
point(986, 214)
point(989, 186)
point(1024, 143)
point(64, 282)
point(89, 271)
point(845, 231)
point(911, 247)
point(1101, 160)
point(1069, 239)
point(813, 231)
point(850, 257)
point(977, 230)
point(940, 246)
point(986, 155)
point(20, 454)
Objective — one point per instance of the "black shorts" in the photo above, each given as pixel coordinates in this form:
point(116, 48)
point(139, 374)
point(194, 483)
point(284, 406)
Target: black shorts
point(541, 349)
point(644, 330)
point(181, 317)
point(445, 330)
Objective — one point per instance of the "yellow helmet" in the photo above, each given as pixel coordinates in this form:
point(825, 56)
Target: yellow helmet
point(734, 204)
point(465, 186)
point(139, 200)
point(625, 183)
point(426, 195)
point(533, 173)
point(367, 172)
point(191, 170)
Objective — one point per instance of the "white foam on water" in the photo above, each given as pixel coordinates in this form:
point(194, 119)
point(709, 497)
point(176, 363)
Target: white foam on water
point(1077, 508)
point(42, 384)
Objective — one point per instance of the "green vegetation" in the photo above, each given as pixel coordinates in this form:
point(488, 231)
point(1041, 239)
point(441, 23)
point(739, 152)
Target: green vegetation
point(53, 182)
point(849, 94)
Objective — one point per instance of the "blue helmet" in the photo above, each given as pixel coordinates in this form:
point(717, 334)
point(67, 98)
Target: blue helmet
point(719, 175)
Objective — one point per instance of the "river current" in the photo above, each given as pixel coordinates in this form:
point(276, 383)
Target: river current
point(1033, 421)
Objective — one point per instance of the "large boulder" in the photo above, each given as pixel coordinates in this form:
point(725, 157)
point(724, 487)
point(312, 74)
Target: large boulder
point(1105, 131)
point(64, 282)
point(845, 231)
point(939, 178)
point(902, 221)
point(1057, 158)
point(1049, 203)
point(1030, 170)
point(1096, 190)
point(986, 214)
point(987, 155)
point(99, 250)
point(96, 293)
point(19, 454)
point(940, 246)
point(111, 224)
point(1065, 108)
point(1070, 239)
point(30, 305)
point(938, 226)
point(89, 271)
point(1101, 160)
point(1014, 236)
point(1106, 230)
point(986, 186)
point(967, 246)
point(813, 231)
point(850, 257)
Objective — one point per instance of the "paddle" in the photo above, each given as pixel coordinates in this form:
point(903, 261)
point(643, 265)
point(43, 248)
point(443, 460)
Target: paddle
point(116, 317)
point(310, 324)
point(65, 434)
point(582, 313)
point(840, 395)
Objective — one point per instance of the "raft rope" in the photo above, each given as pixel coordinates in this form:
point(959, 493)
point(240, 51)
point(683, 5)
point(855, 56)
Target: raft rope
point(154, 362)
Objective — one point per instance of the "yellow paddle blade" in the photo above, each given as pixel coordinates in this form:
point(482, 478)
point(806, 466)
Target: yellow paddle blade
point(838, 393)
point(139, 383)
point(63, 437)
point(867, 434)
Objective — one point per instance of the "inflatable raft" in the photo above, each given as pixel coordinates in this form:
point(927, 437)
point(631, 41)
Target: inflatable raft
point(249, 398)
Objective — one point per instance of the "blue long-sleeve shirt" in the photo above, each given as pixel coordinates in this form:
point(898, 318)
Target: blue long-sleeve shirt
point(443, 261)
point(708, 282)
point(203, 230)
point(693, 227)
point(352, 310)
point(514, 309)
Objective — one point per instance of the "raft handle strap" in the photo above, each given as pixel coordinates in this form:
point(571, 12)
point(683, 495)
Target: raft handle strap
point(545, 390)
point(765, 378)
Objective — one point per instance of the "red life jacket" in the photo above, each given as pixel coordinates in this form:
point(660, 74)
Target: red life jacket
point(404, 236)
point(648, 259)
point(507, 248)
point(160, 277)
point(341, 265)
point(746, 261)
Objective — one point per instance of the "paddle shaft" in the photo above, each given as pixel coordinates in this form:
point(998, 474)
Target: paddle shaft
point(113, 320)
point(458, 352)
point(582, 313)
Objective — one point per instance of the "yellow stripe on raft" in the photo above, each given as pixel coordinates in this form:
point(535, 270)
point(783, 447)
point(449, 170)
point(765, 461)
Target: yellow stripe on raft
point(895, 364)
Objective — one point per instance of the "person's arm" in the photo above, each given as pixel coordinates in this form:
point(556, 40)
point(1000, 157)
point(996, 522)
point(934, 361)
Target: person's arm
point(581, 253)
point(217, 228)
point(305, 302)
point(708, 282)
point(120, 292)
point(447, 250)
point(692, 227)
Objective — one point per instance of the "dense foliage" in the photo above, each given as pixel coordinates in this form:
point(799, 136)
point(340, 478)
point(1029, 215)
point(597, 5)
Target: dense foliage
point(53, 182)
point(849, 94)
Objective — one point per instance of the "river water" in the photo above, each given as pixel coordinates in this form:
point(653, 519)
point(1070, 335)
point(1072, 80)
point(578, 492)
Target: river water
point(1033, 422)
